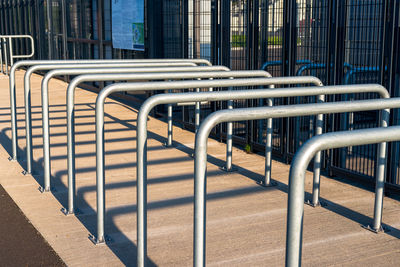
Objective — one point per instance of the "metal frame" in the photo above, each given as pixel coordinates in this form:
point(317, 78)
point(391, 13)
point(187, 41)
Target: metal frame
point(95, 75)
point(330, 31)
point(329, 141)
point(115, 74)
point(171, 75)
point(27, 63)
point(295, 202)
point(27, 91)
point(170, 86)
point(279, 63)
point(153, 101)
point(11, 50)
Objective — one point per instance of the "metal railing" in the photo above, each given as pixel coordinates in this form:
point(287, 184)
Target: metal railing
point(194, 74)
point(330, 141)
point(216, 96)
point(162, 99)
point(27, 91)
point(115, 75)
point(151, 87)
point(6, 40)
point(92, 74)
point(218, 77)
point(296, 191)
point(28, 63)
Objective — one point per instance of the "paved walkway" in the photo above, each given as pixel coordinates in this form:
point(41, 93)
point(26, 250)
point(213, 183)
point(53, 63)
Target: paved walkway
point(246, 223)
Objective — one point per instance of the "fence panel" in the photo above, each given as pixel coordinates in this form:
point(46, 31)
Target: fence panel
point(340, 42)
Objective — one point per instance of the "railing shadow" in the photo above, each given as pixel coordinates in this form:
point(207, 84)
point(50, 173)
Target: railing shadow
point(128, 253)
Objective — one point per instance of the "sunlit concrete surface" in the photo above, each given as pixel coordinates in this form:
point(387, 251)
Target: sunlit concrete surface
point(246, 223)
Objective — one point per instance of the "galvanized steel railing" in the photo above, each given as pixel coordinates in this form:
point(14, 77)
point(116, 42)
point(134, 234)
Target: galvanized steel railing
point(123, 74)
point(27, 63)
point(172, 85)
point(114, 70)
point(27, 92)
point(167, 76)
point(9, 38)
point(216, 96)
point(86, 75)
point(330, 141)
point(295, 202)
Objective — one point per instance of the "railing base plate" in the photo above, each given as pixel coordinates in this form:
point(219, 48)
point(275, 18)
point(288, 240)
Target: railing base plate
point(271, 184)
point(169, 146)
point(233, 169)
point(95, 241)
point(43, 190)
point(66, 212)
point(376, 231)
point(319, 204)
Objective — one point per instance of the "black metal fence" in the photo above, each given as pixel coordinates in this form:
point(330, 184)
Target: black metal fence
point(338, 41)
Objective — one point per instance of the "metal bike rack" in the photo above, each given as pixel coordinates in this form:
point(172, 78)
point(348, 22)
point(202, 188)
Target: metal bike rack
point(279, 62)
point(263, 113)
point(27, 92)
point(161, 86)
point(181, 98)
point(11, 52)
point(329, 141)
point(105, 74)
point(27, 63)
point(299, 72)
point(171, 75)
point(99, 74)
point(353, 71)
point(175, 85)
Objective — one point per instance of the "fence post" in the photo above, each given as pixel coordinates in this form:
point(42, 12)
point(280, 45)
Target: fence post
point(393, 85)
point(289, 42)
point(49, 10)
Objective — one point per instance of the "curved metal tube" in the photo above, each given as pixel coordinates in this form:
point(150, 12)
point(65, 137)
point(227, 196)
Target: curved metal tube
point(279, 62)
point(25, 63)
point(27, 93)
point(297, 179)
point(108, 75)
point(164, 86)
point(285, 92)
point(21, 36)
point(10, 47)
point(121, 75)
point(263, 113)
point(153, 101)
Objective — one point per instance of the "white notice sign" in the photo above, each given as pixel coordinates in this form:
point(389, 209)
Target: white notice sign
point(128, 24)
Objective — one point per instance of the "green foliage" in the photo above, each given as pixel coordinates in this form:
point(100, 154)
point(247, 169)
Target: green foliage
point(238, 40)
point(274, 40)
point(247, 148)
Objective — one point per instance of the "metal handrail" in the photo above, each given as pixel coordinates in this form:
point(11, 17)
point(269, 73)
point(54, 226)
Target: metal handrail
point(85, 75)
point(312, 65)
point(10, 48)
point(153, 101)
point(106, 74)
point(329, 141)
point(168, 75)
point(273, 112)
point(27, 63)
point(27, 92)
point(163, 86)
point(279, 62)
